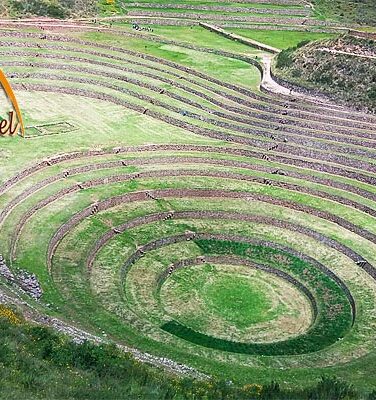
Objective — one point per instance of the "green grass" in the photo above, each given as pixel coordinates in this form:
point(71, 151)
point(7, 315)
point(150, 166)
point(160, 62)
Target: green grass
point(38, 364)
point(206, 14)
point(76, 311)
point(112, 261)
point(199, 36)
point(218, 298)
point(53, 9)
point(350, 11)
point(221, 3)
point(328, 329)
point(128, 308)
point(239, 301)
point(280, 39)
point(223, 68)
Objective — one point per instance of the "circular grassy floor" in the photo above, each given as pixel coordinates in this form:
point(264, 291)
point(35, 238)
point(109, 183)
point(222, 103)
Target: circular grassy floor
point(235, 301)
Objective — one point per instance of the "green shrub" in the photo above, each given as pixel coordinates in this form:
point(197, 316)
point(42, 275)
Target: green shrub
point(372, 395)
point(285, 59)
point(36, 363)
point(345, 77)
point(358, 11)
point(41, 7)
point(53, 8)
point(330, 388)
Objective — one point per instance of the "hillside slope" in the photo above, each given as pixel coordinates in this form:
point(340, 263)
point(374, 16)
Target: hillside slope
point(36, 363)
point(344, 68)
point(358, 11)
point(47, 8)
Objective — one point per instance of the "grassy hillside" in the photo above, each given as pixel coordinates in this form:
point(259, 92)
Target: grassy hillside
point(358, 11)
point(50, 8)
point(344, 67)
point(36, 363)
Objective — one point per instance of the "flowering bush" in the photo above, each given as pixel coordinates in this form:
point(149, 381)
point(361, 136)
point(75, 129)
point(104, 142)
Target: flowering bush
point(9, 314)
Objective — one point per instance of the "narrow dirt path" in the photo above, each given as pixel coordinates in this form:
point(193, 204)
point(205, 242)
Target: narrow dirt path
point(346, 53)
point(269, 84)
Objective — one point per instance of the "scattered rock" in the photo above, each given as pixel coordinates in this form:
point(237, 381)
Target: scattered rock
point(30, 284)
point(26, 281)
point(5, 271)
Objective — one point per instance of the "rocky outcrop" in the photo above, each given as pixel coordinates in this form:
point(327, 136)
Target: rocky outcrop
point(24, 280)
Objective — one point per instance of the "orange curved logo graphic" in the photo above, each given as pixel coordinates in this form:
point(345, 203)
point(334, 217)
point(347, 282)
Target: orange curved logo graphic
point(10, 126)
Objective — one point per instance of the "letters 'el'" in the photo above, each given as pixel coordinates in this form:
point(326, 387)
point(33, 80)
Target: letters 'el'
point(10, 94)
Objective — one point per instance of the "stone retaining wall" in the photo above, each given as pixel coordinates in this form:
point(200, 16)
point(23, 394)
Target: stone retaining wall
point(241, 39)
point(278, 11)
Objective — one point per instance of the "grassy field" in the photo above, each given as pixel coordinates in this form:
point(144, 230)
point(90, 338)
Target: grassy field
point(167, 204)
point(280, 39)
point(249, 304)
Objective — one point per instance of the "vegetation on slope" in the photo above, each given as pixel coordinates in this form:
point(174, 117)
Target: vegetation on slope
point(358, 11)
point(51, 8)
point(344, 67)
point(36, 363)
